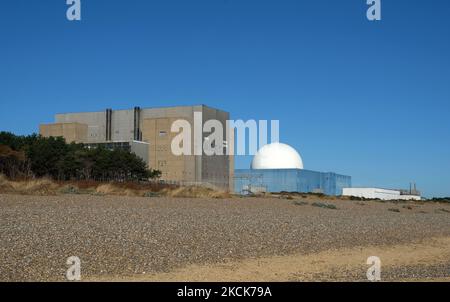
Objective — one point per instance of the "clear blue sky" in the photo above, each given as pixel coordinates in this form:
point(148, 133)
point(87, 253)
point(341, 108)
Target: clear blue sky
point(370, 100)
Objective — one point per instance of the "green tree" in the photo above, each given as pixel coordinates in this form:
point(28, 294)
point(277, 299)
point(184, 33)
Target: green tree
point(54, 158)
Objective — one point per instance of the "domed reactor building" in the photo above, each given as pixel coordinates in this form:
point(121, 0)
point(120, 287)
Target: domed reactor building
point(279, 168)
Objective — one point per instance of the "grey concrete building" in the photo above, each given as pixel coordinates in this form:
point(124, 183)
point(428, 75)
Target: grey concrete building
point(150, 129)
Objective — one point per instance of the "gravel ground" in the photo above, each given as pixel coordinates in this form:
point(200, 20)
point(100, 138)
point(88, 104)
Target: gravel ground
point(416, 273)
point(125, 236)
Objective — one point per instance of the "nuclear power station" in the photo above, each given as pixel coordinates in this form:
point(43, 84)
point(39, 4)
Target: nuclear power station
point(147, 132)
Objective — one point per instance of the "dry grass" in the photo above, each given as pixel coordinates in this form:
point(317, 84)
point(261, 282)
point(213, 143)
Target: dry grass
point(180, 192)
point(46, 186)
point(195, 192)
point(5, 184)
point(112, 189)
point(42, 186)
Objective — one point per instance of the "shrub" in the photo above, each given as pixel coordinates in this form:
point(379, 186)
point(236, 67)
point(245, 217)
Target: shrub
point(69, 189)
point(441, 200)
point(356, 198)
point(324, 205)
point(52, 157)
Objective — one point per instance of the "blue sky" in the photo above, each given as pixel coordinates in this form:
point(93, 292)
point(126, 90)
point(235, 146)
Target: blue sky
point(370, 100)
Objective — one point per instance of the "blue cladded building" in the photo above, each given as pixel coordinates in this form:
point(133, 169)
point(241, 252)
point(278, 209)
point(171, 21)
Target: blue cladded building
point(289, 180)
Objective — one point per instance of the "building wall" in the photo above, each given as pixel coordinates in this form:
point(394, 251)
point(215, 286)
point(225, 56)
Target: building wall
point(216, 169)
point(95, 121)
point(290, 180)
point(230, 147)
point(122, 125)
point(72, 132)
point(409, 197)
point(377, 193)
point(156, 129)
point(173, 168)
point(141, 149)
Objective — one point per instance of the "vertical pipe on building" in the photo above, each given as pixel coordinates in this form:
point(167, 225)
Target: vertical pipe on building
point(137, 122)
point(108, 124)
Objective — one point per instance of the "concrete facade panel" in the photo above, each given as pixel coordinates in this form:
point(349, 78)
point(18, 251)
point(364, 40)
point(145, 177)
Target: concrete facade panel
point(72, 132)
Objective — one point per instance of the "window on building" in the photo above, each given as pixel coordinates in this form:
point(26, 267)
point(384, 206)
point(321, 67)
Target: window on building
point(162, 163)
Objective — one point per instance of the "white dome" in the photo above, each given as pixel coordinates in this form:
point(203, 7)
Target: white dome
point(277, 156)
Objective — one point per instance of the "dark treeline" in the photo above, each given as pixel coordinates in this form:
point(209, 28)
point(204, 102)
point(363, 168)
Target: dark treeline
point(36, 156)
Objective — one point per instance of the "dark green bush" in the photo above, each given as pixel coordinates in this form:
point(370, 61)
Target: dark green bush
point(52, 157)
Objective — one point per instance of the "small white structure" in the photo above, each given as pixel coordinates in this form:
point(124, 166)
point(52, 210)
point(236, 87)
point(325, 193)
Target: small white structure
point(377, 193)
point(277, 156)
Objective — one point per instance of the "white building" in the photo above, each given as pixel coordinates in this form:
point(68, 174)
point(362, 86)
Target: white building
point(377, 193)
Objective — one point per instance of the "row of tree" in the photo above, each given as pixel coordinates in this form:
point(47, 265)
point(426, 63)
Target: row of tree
point(34, 155)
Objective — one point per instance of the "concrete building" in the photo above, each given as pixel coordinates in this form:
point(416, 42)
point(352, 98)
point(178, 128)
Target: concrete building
point(383, 194)
point(153, 127)
point(289, 180)
point(279, 168)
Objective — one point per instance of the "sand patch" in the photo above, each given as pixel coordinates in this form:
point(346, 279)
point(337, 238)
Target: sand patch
point(309, 267)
